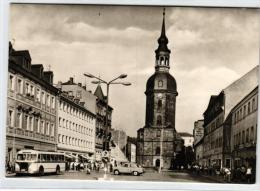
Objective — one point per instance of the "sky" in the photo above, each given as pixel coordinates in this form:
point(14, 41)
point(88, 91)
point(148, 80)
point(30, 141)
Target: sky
point(210, 48)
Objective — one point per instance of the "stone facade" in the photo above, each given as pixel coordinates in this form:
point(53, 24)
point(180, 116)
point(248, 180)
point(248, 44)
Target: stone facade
point(157, 142)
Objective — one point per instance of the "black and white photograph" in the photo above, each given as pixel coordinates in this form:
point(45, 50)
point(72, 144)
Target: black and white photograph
point(132, 93)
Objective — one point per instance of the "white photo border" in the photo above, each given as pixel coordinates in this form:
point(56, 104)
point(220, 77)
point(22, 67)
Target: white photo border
point(101, 185)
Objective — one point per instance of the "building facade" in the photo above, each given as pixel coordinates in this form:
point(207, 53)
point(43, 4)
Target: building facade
point(198, 133)
point(157, 140)
point(85, 98)
point(101, 125)
point(131, 149)
point(32, 101)
point(244, 131)
point(188, 138)
point(76, 128)
point(218, 120)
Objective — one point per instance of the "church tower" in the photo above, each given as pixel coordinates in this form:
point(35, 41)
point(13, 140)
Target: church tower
point(156, 142)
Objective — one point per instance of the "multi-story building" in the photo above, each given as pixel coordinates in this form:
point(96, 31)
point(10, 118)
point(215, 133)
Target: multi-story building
point(81, 95)
point(101, 126)
point(217, 126)
point(131, 149)
point(188, 138)
point(157, 141)
point(198, 133)
point(244, 131)
point(76, 128)
point(31, 119)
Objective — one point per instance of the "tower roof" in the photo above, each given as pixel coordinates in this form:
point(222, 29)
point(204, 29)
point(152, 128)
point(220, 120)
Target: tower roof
point(99, 92)
point(163, 40)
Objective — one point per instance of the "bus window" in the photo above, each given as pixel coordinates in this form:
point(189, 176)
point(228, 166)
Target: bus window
point(47, 157)
point(21, 156)
point(56, 157)
point(62, 158)
point(44, 157)
point(39, 157)
point(52, 157)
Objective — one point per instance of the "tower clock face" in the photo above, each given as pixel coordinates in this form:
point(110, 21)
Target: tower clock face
point(159, 95)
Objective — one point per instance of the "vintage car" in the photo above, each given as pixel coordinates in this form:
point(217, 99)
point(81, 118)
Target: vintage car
point(128, 168)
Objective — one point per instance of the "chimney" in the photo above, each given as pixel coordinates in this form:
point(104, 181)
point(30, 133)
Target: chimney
point(48, 77)
point(71, 80)
point(84, 87)
point(80, 84)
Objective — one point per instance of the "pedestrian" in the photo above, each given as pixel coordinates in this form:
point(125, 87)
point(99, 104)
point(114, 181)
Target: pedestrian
point(227, 174)
point(249, 174)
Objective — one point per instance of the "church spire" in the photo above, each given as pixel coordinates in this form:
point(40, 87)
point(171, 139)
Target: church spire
point(162, 52)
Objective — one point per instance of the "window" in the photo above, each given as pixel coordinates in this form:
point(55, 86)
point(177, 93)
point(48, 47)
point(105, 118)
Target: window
point(159, 106)
point(27, 91)
point(31, 123)
point(52, 102)
point(20, 86)
point(26, 121)
point(47, 129)
point(48, 100)
point(11, 118)
point(159, 120)
point(43, 98)
point(19, 120)
point(59, 138)
point(37, 121)
point(60, 122)
point(11, 82)
point(158, 150)
point(42, 127)
point(244, 111)
point(252, 134)
point(160, 83)
point(243, 137)
point(31, 90)
point(38, 95)
point(247, 135)
point(61, 105)
point(248, 107)
point(52, 130)
point(158, 133)
point(253, 104)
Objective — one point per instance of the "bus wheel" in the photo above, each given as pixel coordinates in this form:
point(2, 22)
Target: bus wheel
point(41, 171)
point(58, 169)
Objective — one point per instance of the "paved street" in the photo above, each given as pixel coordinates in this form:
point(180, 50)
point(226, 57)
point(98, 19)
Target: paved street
point(148, 176)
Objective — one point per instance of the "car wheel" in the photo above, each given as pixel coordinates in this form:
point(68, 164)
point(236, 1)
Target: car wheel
point(41, 171)
point(135, 173)
point(116, 172)
point(58, 169)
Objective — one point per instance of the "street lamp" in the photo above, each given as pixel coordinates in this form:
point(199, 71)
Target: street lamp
point(111, 82)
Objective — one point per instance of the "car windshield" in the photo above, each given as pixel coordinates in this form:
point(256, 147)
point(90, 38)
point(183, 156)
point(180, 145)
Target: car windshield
point(27, 157)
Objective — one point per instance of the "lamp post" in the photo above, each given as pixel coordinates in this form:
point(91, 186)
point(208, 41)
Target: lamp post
point(111, 82)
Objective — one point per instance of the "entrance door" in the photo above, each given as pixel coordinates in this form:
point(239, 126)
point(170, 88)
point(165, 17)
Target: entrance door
point(157, 163)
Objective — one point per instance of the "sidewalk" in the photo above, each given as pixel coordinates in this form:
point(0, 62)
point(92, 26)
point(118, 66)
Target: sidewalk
point(215, 178)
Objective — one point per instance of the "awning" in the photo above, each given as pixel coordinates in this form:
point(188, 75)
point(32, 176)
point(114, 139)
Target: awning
point(68, 156)
point(85, 157)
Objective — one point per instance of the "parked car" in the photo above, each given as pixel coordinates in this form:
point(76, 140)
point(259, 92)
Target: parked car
point(128, 168)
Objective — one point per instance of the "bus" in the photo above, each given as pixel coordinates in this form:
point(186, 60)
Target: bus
point(39, 162)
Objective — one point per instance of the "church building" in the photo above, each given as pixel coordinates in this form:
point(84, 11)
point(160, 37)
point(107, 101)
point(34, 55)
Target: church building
point(158, 141)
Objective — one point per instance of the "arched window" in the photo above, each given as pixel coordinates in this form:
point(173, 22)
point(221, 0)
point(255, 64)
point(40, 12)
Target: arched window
point(159, 106)
point(160, 83)
point(157, 150)
point(159, 120)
